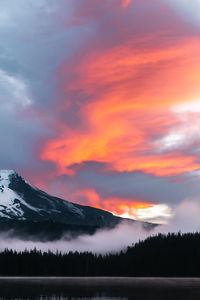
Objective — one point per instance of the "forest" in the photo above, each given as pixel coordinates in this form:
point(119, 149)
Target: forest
point(173, 255)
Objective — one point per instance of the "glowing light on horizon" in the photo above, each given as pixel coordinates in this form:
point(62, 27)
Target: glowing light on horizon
point(157, 213)
point(187, 107)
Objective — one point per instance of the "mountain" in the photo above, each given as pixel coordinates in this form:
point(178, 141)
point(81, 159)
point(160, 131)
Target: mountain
point(26, 210)
point(19, 200)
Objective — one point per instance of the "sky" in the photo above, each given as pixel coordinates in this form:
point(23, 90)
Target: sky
point(100, 101)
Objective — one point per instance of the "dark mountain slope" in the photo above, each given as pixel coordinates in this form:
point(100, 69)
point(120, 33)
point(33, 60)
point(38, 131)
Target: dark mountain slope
point(26, 210)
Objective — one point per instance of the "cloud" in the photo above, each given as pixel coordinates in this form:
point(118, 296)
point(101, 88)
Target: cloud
point(103, 241)
point(125, 193)
point(14, 92)
point(19, 127)
point(28, 43)
point(187, 9)
point(106, 82)
point(185, 218)
point(118, 105)
point(123, 133)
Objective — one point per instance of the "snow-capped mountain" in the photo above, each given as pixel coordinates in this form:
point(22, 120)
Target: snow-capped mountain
point(19, 200)
point(31, 214)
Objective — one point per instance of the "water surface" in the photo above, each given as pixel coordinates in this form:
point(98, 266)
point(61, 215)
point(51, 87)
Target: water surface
point(100, 288)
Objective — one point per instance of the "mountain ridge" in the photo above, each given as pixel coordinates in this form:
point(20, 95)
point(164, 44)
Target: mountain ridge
point(20, 200)
point(30, 213)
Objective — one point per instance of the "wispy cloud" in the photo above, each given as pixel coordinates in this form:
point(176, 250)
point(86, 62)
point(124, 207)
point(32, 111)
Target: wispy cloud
point(108, 82)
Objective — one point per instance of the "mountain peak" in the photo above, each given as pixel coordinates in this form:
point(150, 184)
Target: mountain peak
point(6, 173)
point(22, 203)
point(5, 177)
point(19, 200)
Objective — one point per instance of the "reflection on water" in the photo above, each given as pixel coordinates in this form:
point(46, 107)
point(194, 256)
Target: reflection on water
point(100, 288)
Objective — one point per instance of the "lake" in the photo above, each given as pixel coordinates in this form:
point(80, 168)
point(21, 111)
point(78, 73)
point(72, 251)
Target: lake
point(100, 288)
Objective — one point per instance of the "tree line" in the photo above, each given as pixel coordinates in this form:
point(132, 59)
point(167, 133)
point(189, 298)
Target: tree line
point(161, 255)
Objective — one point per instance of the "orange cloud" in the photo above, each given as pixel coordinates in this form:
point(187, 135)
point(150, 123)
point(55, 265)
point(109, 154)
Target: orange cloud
point(132, 90)
point(125, 3)
point(125, 207)
point(118, 206)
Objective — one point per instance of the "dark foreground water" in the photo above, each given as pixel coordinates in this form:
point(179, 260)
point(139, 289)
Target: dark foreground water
point(100, 288)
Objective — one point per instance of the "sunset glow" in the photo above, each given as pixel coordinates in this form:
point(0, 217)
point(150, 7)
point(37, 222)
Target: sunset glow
point(118, 128)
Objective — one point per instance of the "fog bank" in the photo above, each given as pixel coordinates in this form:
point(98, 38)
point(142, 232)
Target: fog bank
point(186, 218)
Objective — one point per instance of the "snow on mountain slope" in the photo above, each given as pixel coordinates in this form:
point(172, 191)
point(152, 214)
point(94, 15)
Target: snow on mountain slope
point(19, 200)
point(9, 199)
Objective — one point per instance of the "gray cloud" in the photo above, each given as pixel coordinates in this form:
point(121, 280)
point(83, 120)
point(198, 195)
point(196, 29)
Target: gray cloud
point(187, 9)
point(133, 185)
point(34, 41)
